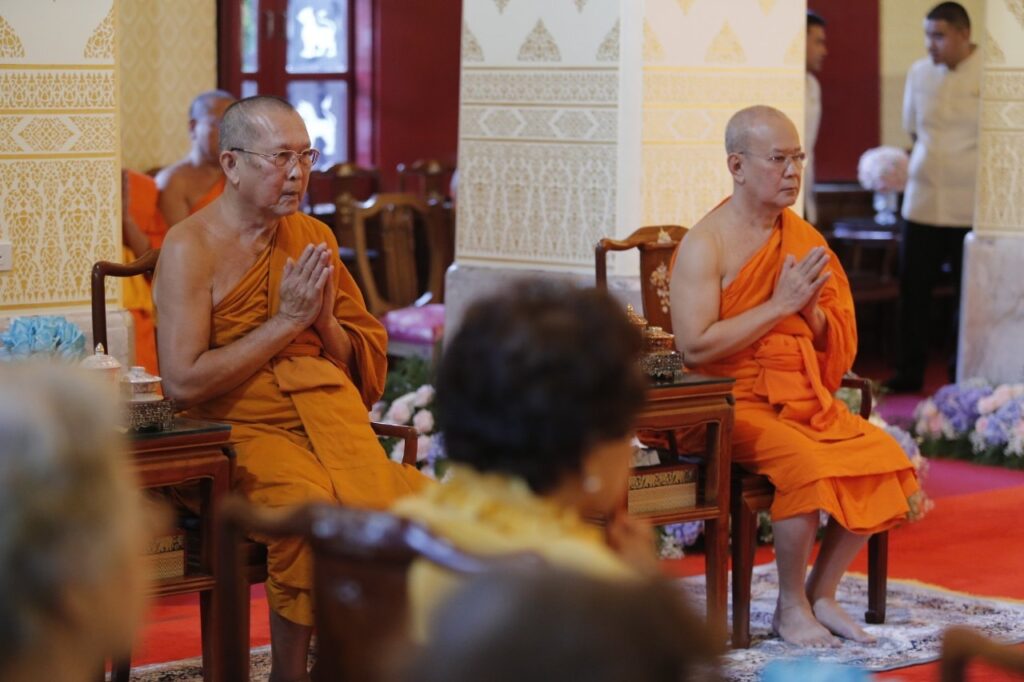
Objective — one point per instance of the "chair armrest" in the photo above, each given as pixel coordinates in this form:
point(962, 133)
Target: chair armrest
point(406, 433)
point(861, 384)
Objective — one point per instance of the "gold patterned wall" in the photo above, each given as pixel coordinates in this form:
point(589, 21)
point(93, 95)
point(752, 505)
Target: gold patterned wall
point(168, 56)
point(579, 121)
point(59, 168)
point(999, 205)
point(703, 60)
point(538, 131)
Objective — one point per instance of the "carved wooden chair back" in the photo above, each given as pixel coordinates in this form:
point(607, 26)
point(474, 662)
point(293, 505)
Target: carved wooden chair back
point(393, 221)
point(428, 178)
point(360, 572)
point(143, 265)
point(348, 184)
point(656, 244)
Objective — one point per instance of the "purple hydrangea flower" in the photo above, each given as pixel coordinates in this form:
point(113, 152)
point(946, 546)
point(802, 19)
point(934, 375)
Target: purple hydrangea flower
point(995, 429)
point(905, 440)
point(685, 534)
point(958, 403)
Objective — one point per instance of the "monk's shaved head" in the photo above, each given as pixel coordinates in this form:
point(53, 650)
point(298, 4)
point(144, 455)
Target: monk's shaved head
point(205, 102)
point(237, 129)
point(746, 123)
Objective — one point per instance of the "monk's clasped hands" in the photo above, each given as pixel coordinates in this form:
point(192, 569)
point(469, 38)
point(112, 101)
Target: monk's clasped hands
point(800, 282)
point(302, 285)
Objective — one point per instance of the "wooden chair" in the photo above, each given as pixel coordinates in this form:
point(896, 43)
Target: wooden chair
point(344, 186)
point(656, 244)
point(143, 265)
point(410, 294)
point(752, 494)
point(960, 645)
point(360, 566)
point(432, 177)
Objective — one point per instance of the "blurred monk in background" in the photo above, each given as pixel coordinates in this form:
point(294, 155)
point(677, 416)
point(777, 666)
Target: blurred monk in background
point(262, 327)
point(758, 296)
point(196, 180)
point(142, 228)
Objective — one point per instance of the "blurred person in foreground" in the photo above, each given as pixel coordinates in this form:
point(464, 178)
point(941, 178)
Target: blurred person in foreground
point(71, 574)
point(537, 395)
point(553, 626)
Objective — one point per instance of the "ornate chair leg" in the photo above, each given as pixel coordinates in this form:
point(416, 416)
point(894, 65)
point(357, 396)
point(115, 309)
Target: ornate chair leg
point(744, 542)
point(878, 567)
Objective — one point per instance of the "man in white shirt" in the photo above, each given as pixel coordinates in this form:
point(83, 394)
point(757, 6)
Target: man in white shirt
point(940, 111)
point(816, 53)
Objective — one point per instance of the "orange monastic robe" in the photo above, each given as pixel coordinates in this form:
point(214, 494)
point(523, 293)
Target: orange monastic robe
point(788, 425)
point(301, 423)
point(211, 194)
point(143, 196)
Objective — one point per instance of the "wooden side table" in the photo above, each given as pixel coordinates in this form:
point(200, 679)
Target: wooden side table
point(193, 451)
point(688, 400)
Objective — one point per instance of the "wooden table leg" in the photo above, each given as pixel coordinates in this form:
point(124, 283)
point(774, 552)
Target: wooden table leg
point(716, 534)
point(744, 543)
point(878, 579)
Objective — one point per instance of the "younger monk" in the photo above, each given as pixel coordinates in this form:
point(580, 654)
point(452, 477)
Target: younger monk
point(262, 327)
point(194, 181)
point(758, 296)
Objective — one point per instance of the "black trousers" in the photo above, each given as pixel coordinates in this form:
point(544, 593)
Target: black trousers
point(924, 250)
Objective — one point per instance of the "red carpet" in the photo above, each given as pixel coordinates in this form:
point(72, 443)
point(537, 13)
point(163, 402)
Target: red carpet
point(972, 542)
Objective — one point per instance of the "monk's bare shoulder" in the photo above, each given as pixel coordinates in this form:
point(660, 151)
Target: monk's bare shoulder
point(170, 176)
point(188, 251)
point(701, 247)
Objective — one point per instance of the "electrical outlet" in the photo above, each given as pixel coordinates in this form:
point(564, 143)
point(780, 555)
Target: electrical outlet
point(5, 256)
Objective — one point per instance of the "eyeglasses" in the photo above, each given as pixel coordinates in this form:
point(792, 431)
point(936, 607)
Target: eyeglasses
point(781, 160)
point(286, 158)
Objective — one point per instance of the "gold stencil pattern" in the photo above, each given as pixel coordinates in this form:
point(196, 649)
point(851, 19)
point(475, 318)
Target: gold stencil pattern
point(564, 193)
point(502, 4)
point(653, 50)
point(101, 43)
point(540, 87)
point(168, 56)
point(608, 50)
point(993, 52)
point(56, 89)
point(532, 123)
point(10, 43)
point(796, 53)
point(50, 133)
point(539, 46)
point(767, 5)
point(471, 50)
point(685, 5)
point(61, 217)
point(725, 48)
point(1016, 8)
point(580, 4)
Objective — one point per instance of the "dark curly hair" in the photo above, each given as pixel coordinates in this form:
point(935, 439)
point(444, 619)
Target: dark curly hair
point(535, 377)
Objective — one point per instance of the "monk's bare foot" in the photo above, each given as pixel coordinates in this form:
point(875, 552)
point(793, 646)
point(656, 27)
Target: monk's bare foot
point(797, 625)
point(830, 614)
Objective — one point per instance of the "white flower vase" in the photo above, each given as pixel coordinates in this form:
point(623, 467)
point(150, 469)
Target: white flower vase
point(885, 205)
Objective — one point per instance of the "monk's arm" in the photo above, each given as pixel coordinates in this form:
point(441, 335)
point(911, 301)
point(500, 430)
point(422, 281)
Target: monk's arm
point(696, 292)
point(818, 322)
point(192, 371)
point(337, 344)
point(173, 202)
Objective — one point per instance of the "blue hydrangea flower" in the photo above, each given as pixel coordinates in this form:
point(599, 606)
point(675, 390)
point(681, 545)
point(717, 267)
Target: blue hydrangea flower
point(958, 403)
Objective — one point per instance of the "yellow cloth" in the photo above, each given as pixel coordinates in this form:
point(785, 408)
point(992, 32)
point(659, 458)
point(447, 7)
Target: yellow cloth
point(494, 514)
point(143, 197)
point(301, 423)
point(788, 425)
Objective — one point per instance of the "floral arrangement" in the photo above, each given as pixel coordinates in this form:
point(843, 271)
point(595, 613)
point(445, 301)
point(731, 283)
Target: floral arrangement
point(974, 420)
point(44, 335)
point(883, 169)
point(408, 401)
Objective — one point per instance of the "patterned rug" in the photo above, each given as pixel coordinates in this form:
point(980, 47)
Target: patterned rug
point(916, 616)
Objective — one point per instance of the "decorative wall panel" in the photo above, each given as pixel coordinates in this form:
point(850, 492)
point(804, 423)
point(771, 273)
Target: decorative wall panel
point(538, 131)
point(59, 168)
point(168, 56)
point(716, 58)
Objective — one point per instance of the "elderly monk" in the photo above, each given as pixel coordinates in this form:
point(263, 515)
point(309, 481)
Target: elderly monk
point(196, 180)
point(758, 296)
point(262, 327)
